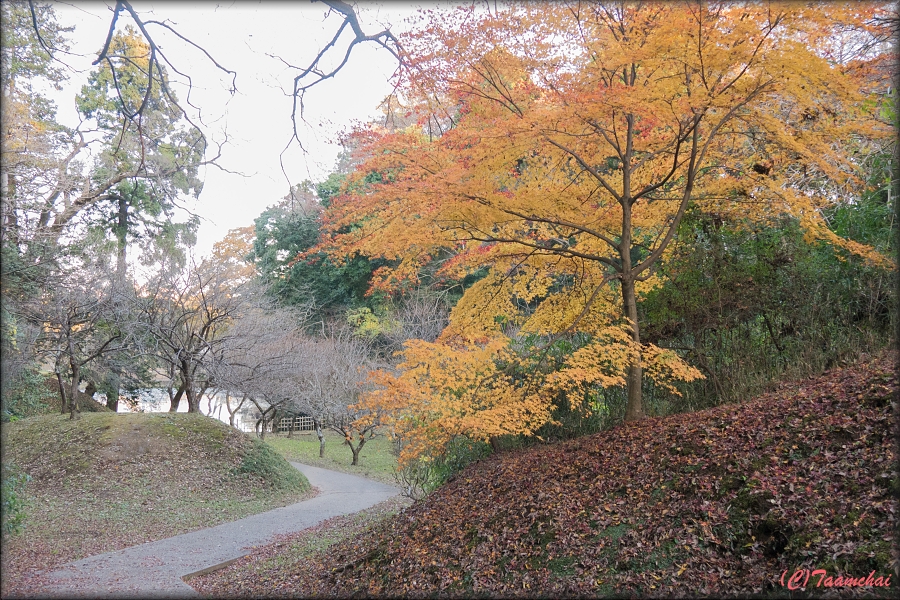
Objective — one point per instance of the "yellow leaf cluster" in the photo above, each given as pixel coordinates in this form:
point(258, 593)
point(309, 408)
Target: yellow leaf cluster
point(449, 389)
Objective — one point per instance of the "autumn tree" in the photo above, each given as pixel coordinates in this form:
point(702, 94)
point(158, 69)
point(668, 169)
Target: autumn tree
point(560, 146)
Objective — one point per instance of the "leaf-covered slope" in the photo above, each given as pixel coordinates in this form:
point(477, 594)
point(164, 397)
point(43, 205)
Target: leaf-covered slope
point(717, 502)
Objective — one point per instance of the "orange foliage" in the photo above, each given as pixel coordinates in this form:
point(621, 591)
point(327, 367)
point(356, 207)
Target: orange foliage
point(560, 145)
point(231, 251)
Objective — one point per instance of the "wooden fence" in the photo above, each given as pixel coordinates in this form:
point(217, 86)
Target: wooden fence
point(300, 424)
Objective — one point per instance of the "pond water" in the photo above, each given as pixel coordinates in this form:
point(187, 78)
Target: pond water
point(153, 400)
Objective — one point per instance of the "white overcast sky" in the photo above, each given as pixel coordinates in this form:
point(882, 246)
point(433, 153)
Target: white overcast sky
point(238, 35)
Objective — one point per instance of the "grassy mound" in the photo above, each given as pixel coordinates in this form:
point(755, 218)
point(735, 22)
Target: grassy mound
point(108, 481)
point(720, 502)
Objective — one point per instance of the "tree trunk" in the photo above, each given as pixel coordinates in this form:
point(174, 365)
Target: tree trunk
point(228, 407)
point(9, 226)
point(112, 399)
point(64, 404)
point(261, 421)
point(121, 231)
point(193, 400)
point(357, 450)
point(264, 420)
point(112, 392)
point(176, 399)
point(321, 435)
point(232, 413)
point(634, 408)
point(73, 393)
point(76, 375)
point(199, 397)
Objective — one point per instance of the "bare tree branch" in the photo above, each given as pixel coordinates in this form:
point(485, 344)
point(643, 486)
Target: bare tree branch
point(384, 38)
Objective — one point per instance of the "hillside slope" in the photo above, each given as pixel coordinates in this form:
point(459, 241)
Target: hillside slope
point(107, 481)
point(720, 502)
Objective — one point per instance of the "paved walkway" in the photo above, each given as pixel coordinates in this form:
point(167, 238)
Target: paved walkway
point(156, 569)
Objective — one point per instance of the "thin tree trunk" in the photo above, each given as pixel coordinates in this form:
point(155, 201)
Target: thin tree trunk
point(233, 413)
point(76, 373)
point(357, 449)
point(260, 431)
point(112, 392)
point(64, 404)
point(264, 421)
point(198, 398)
point(228, 407)
point(9, 226)
point(355, 452)
point(121, 231)
point(73, 392)
point(321, 435)
point(634, 408)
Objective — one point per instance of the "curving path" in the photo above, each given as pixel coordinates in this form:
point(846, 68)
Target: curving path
point(156, 569)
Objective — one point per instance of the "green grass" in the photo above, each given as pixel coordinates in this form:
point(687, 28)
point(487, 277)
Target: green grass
point(376, 461)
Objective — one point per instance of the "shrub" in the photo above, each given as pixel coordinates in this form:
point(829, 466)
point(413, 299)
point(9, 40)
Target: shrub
point(420, 477)
point(26, 394)
point(13, 506)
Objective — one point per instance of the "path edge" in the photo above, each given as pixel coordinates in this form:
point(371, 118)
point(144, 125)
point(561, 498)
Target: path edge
point(212, 569)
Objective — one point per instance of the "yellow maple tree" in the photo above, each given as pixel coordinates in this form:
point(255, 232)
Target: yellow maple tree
point(559, 147)
point(231, 254)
